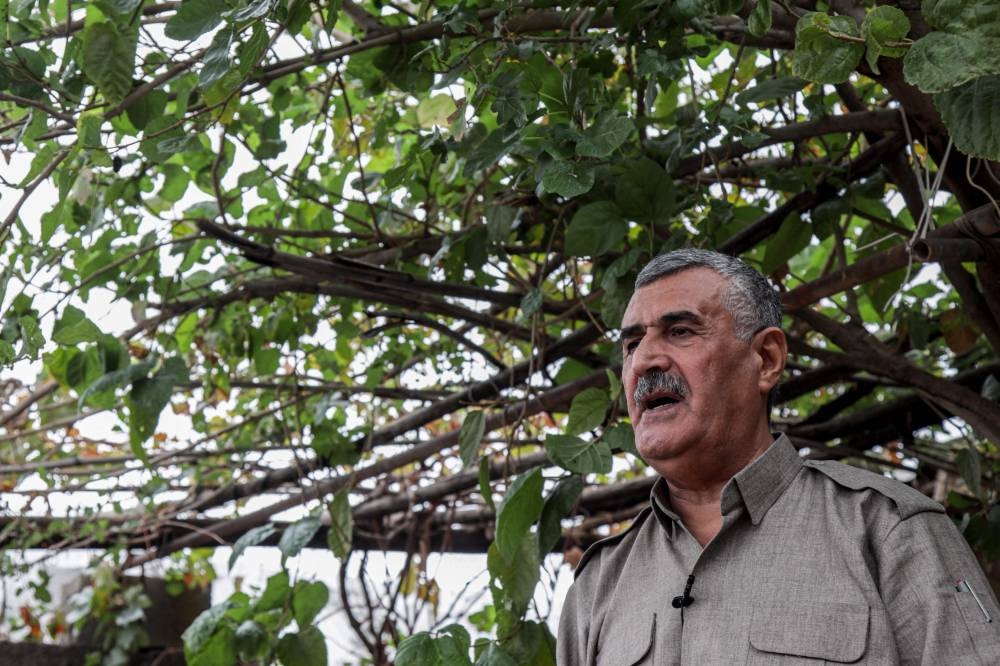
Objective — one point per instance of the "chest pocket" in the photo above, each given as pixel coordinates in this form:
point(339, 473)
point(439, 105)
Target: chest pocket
point(801, 632)
point(980, 616)
point(632, 644)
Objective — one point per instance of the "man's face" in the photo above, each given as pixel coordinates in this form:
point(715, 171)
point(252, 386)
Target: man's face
point(709, 393)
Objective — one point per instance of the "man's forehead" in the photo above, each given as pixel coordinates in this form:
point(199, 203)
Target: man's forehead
point(697, 290)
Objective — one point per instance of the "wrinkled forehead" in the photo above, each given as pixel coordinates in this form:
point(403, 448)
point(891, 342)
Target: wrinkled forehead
point(698, 290)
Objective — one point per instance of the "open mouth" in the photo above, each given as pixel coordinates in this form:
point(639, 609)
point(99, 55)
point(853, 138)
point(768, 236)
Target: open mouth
point(657, 401)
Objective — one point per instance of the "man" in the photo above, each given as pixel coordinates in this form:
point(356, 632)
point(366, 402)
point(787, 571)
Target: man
point(747, 554)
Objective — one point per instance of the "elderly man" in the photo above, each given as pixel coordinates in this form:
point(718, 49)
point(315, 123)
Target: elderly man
point(747, 554)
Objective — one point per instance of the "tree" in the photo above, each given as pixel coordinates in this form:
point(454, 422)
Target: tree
point(376, 253)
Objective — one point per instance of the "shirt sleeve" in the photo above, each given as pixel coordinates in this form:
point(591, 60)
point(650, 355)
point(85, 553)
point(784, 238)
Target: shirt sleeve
point(574, 624)
point(940, 604)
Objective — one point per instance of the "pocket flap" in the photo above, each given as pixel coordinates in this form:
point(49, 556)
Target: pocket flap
point(628, 644)
point(835, 632)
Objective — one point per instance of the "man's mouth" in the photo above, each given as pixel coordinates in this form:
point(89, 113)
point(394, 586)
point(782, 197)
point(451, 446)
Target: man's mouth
point(659, 402)
point(658, 391)
point(655, 402)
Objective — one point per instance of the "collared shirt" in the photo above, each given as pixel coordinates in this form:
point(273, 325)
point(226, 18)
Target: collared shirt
point(815, 562)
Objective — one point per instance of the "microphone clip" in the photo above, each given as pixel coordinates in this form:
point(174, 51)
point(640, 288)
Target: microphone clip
point(684, 600)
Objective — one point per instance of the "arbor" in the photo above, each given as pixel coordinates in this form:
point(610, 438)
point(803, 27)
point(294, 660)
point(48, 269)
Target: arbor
point(375, 253)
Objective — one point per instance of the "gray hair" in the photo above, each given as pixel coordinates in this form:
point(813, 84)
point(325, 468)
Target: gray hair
point(750, 298)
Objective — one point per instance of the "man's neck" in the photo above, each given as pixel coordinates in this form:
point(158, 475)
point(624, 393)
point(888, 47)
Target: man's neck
point(697, 500)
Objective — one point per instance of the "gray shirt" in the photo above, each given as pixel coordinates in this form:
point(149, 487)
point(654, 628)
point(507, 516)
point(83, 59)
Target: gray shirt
point(815, 561)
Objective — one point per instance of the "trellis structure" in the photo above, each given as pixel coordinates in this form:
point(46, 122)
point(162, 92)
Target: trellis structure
point(376, 253)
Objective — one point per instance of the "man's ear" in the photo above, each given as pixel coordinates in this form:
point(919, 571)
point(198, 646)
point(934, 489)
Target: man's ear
point(771, 348)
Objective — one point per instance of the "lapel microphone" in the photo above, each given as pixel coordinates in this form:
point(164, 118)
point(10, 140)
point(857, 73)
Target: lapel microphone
point(684, 600)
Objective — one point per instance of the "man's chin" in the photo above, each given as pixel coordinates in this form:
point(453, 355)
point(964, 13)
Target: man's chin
point(659, 449)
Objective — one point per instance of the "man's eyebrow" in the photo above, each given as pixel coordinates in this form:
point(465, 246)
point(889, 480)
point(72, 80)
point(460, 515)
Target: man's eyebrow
point(676, 316)
point(631, 331)
point(664, 320)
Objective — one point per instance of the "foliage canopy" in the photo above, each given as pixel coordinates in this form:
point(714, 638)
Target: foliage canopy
point(375, 253)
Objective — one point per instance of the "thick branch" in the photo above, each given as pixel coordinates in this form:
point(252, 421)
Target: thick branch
point(983, 219)
point(868, 354)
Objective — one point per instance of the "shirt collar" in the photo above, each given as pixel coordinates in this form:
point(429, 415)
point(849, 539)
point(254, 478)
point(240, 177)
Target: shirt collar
point(764, 480)
point(757, 486)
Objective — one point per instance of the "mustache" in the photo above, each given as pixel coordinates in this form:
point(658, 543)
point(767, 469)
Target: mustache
point(657, 381)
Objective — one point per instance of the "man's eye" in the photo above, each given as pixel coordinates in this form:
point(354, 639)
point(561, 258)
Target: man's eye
point(680, 331)
point(630, 345)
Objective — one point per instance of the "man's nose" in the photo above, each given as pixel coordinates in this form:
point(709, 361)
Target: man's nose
point(649, 355)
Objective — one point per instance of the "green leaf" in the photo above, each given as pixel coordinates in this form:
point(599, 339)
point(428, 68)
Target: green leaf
point(453, 643)
point(645, 192)
point(557, 505)
point(883, 26)
point(82, 370)
point(218, 650)
point(74, 328)
point(587, 410)
point(417, 650)
point(470, 436)
point(824, 52)
point(117, 7)
point(266, 361)
point(605, 135)
point(88, 129)
point(250, 49)
point(759, 21)
point(147, 399)
point(970, 468)
point(494, 655)
point(568, 179)
point(341, 534)
point(251, 640)
point(577, 455)
point(618, 269)
point(7, 353)
point(297, 535)
point(275, 594)
point(970, 114)
point(595, 229)
point(194, 18)
point(500, 221)
point(791, 238)
point(531, 643)
point(179, 144)
point(532, 302)
point(116, 378)
point(306, 648)
point(435, 111)
point(490, 150)
point(254, 9)
point(145, 108)
point(308, 599)
point(521, 507)
point(621, 436)
point(108, 58)
point(509, 107)
point(252, 537)
point(771, 89)
point(197, 635)
point(517, 572)
point(216, 61)
point(941, 61)
point(960, 15)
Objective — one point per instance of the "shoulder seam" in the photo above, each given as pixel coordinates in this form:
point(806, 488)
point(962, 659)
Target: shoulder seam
point(609, 540)
point(908, 503)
